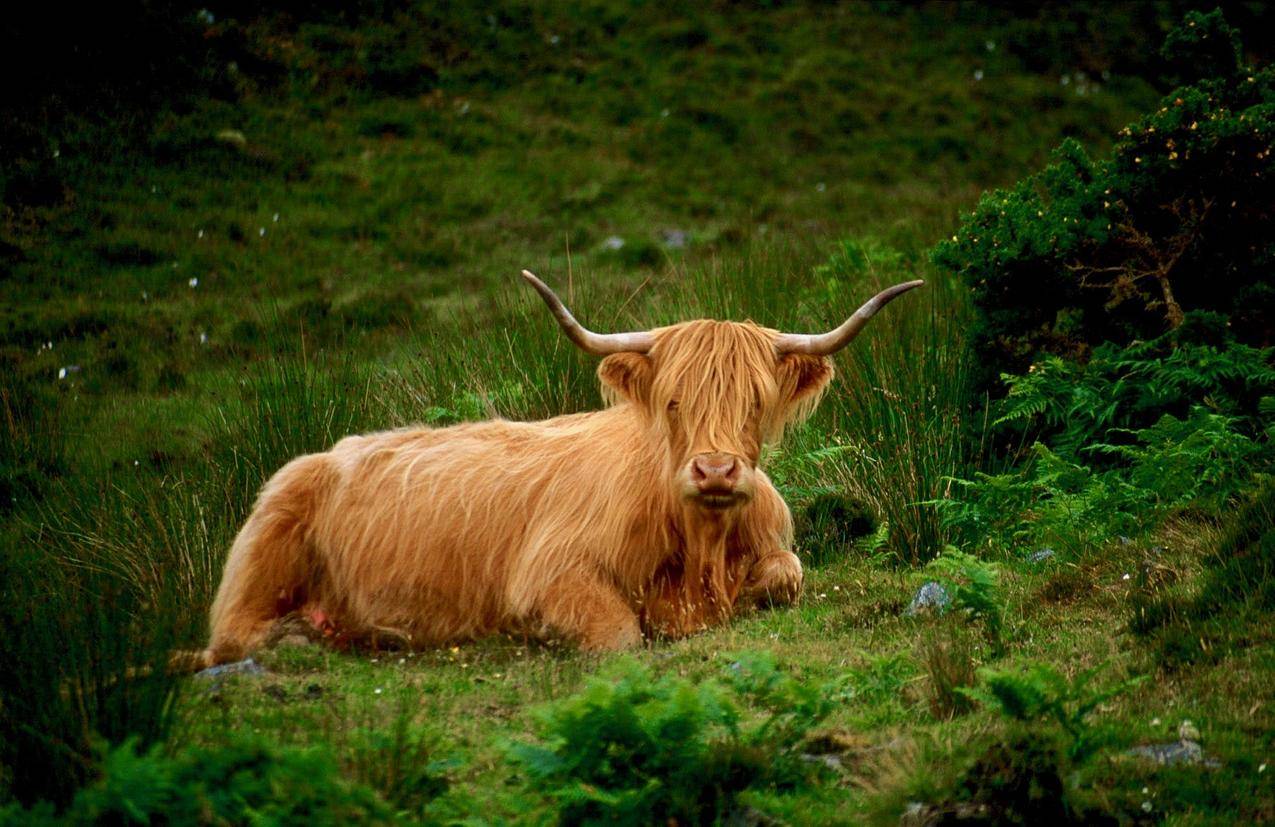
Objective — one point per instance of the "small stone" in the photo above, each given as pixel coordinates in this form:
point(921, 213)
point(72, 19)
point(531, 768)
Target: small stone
point(613, 242)
point(930, 597)
point(1173, 754)
point(674, 239)
point(248, 666)
point(1040, 555)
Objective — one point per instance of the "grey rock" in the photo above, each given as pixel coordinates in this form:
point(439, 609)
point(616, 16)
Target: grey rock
point(674, 239)
point(930, 597)
point(247, 666)
point(1041, 555)
point(613, 242)
point(1174, 754)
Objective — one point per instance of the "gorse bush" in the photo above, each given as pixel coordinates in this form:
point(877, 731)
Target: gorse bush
point(1176, 219)
point(632, 748)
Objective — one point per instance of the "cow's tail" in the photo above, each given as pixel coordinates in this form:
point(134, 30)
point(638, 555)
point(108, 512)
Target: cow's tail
point(271, 569)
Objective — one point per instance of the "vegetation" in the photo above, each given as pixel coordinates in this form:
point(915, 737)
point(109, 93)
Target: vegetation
point(311, 227)
point(1121, 248)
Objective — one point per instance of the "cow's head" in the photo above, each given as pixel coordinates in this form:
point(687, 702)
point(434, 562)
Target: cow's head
point(715, 392)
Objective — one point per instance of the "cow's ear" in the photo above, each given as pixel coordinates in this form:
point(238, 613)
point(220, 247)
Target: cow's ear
point(626, 376)
point(803, 379)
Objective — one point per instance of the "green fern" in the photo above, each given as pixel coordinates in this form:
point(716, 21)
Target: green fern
point(1041, 692)
point(974, 585)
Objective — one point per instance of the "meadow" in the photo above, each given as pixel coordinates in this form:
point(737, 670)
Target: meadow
point(320, 235)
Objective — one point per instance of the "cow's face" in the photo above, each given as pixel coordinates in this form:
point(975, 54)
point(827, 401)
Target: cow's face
point(714, 393)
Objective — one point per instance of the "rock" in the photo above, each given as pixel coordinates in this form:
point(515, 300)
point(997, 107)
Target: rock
point(1186, 750)
point(247, 666)
point(613, 242)
point(674, 239)
point(930, 597)
point(1173, 753)
point(1041, 555)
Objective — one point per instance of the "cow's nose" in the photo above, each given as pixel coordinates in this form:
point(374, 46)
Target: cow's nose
point(715, 473)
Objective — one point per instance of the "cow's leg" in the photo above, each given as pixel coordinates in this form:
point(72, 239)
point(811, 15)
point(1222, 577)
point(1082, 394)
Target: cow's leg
point(591, 613)
point(774, 580)
point(269, 570)
point(765, 572)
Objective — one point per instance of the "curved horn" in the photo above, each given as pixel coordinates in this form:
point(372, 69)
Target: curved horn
point(826, 344)
point(599, 344)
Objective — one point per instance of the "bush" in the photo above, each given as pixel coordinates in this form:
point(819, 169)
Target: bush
point(974, 587)
point(1122, 441)
point(636, 749)
point(1040, 692)
point(243, 782)
point(1176, 219)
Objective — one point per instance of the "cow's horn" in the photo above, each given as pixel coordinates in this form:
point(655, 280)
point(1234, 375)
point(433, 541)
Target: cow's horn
point(825, 344)
point(599, 344)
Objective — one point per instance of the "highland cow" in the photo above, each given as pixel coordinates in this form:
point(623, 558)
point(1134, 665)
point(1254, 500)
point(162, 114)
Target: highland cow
point(650, 518)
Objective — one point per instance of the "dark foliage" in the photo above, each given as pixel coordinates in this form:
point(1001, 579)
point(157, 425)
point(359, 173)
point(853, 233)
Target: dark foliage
point(1118, 249)
point(244, 782)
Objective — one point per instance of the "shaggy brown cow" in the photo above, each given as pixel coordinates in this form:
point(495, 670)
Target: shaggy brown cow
point(650, 516)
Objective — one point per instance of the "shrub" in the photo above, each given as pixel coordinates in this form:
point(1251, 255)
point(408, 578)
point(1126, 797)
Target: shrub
point(1071, 405)
point(243, 782)
point(1039, 692)
point(1176, 219)
point(636, 749)
point(974, 587)
point(1123, 440)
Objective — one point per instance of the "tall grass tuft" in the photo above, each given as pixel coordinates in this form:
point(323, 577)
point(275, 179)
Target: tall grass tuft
point(103, 578)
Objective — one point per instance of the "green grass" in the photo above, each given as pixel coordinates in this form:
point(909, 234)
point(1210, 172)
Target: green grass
point(807, 156)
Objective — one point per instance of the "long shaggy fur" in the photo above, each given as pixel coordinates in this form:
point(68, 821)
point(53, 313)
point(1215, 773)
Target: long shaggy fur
point(572, 527)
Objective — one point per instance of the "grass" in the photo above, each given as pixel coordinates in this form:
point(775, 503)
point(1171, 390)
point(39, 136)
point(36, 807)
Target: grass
point(220, 306)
